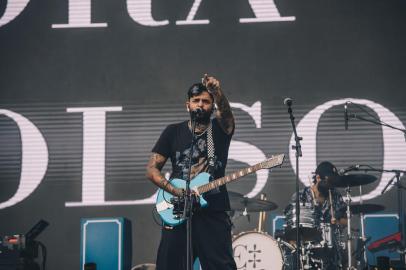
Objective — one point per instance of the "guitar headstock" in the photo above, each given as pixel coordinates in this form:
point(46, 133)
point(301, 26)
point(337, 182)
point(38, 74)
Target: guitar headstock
point(273, 161)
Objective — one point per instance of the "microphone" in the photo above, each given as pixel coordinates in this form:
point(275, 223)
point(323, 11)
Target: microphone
point(288, 101)
point(196, 112)
point(346, 116)
point(350, 168)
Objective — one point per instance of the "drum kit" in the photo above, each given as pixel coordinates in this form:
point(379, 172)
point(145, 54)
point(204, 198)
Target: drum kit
point(323, 245)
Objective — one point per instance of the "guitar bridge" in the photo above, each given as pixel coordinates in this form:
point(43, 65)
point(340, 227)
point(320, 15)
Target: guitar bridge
point(178, 206)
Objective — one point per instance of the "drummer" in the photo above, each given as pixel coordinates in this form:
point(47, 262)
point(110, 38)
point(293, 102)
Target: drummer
point(319, 194)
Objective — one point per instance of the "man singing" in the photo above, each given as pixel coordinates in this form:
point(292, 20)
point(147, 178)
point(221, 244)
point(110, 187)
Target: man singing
point(211, 232)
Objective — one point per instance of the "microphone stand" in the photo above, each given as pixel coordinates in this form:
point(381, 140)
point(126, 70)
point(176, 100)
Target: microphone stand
point(358, 117)
point(400, 188)
point(188, 210)
point(298, 149)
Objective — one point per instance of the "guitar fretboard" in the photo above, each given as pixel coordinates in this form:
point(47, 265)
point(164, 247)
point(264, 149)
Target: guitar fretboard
point(229, 178)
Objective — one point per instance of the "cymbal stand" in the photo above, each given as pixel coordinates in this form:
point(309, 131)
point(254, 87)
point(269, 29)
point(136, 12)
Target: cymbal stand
point(262, 216)
point(363, 262)
point(349, 237)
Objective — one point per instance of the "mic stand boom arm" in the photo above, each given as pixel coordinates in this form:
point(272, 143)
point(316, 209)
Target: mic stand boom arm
point(379, 123)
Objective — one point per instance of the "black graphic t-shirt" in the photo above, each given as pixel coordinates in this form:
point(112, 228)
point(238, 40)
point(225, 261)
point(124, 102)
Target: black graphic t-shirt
point(174, 143)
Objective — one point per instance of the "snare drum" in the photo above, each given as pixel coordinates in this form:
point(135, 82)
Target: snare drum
point(308, 221)
point(256, 250)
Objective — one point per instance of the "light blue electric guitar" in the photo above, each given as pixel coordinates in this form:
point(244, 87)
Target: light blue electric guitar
point(202, 184)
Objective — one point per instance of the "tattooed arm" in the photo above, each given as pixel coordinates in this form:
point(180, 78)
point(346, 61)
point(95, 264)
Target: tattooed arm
point(154, 167)
point(224, 115)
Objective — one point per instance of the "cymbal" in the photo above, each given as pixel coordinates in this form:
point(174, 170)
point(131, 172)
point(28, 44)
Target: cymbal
point(234, 195)
point(350, 180)
point(366, 208)
point(239, 203)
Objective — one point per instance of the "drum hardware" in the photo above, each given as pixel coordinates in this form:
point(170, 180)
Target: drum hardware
point(361, 209)
point(308, 223)
point(360, 252)
point(238, 202)
point(327, 235)
point(348, 181)
point(362, 262)
point(309, 258)
point(262, 216)
point(349, 236)
point(289, 254)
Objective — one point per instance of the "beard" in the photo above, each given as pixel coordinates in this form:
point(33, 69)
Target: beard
point(204, 117)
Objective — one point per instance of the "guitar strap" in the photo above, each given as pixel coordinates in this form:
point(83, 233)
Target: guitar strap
point(210, 149)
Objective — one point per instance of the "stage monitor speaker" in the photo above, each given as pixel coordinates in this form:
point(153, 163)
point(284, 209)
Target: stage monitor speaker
point(378, 226)
point(106, 243)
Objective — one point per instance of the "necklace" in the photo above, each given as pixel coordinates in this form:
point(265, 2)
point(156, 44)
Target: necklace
point(198, 134)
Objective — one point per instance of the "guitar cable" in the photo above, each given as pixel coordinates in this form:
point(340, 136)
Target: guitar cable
point(154, 213)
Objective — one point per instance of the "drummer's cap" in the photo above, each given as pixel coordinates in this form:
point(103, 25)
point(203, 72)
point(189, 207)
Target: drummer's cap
point(326, 169)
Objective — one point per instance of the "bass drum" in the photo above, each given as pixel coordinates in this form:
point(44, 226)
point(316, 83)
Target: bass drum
point(255, 250)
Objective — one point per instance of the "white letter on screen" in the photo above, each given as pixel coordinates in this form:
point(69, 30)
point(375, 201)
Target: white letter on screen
point(192, 14)
point(94, 139)
point(265, 11)
point(141, 12)
point(94, 151)
point(80, 15)
point(34, 158)
point(13, 9)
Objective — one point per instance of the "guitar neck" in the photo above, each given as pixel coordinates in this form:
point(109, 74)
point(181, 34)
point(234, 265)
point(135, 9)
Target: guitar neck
point(228, 178)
